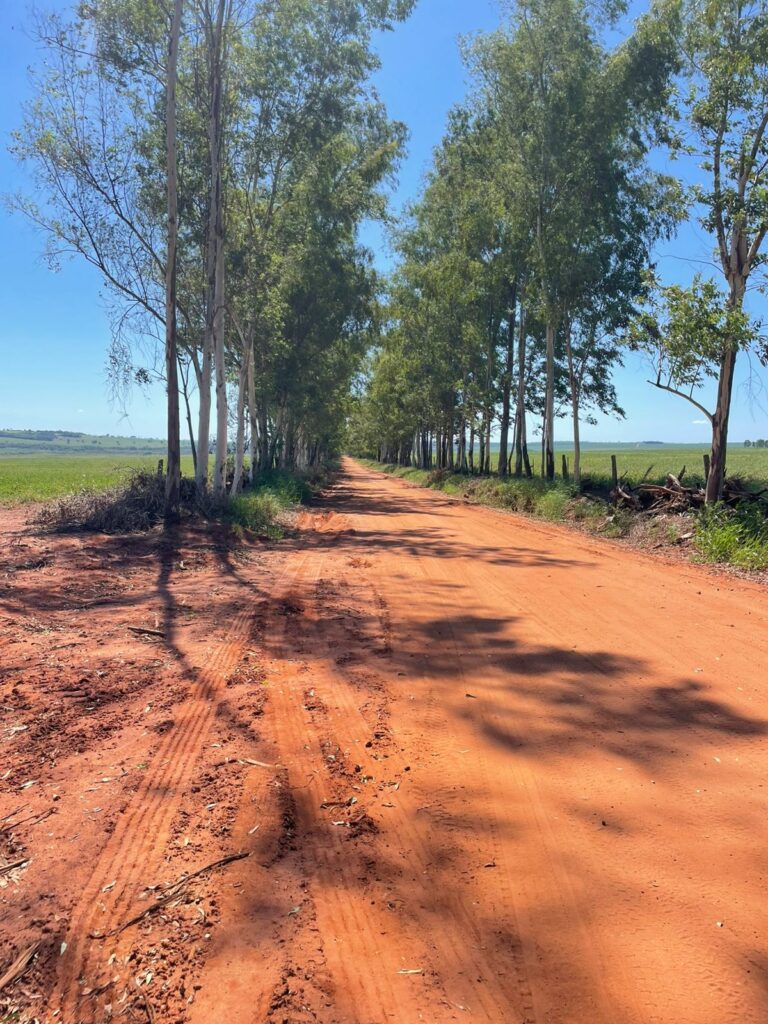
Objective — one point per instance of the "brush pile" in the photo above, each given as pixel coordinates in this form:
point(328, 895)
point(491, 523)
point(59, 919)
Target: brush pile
point(674, 496)
point(133, 506)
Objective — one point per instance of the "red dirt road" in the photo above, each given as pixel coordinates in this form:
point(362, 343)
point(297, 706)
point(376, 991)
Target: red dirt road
point(484, 769)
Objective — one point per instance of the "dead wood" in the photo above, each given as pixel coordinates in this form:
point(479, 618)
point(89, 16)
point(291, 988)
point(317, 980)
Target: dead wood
point(5, 868)
point(19, 965)
point(146, 631)
point(169, 892)
point(34, 820)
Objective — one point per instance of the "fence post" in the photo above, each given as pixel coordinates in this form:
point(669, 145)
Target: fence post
point(565, 467)
point(706, 468)
point(160, 468)
point(614, 473)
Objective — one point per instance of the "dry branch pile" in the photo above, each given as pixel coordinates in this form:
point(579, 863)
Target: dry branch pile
point(674, 496)
point(133, 506)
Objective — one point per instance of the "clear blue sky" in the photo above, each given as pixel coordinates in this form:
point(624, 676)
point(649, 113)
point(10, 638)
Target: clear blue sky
point(54, 332)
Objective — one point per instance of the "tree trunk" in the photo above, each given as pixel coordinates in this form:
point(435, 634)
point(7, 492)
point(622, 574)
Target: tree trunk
point(220, 468)
point(252, 452)
point(575, 390)
point(188, 410)
point(204, 417)
point(506, 385)
point(721, 417)
point(214, 33)
point(548, 451)
point(521, 432)
point(237, 479)
point(173, 475)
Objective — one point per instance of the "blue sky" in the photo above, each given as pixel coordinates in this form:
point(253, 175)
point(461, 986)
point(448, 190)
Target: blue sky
point(54, 332)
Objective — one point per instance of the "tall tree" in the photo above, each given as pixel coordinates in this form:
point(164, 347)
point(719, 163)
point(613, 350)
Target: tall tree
point(727, 45)
point(173, 473)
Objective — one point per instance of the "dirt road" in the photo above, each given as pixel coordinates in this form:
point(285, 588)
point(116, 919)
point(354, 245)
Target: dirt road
point(484, 769)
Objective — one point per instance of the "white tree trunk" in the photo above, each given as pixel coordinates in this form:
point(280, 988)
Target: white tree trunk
point(237, 480)
point(253, 450)
point(220, 468)
point(173, 477)
point(548, 438)
point(204, 417)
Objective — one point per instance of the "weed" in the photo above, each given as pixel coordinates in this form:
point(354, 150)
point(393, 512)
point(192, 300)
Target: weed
point(735, 536)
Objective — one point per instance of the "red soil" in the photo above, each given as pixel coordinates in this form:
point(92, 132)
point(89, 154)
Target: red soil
point(484, 769)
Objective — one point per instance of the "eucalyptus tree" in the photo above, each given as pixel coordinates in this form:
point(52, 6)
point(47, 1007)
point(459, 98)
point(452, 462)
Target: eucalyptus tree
point(173, 477)
point(575, 119)
point(280, 150)
point(726, 42)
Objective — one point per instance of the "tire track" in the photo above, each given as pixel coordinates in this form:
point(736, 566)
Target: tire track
point(132, 856)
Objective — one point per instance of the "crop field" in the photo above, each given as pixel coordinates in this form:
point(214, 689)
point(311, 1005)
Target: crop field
point(29, 478)
point(634, 463)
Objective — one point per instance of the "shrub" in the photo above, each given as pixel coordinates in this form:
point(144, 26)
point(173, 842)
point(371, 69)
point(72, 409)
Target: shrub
point(138, 504)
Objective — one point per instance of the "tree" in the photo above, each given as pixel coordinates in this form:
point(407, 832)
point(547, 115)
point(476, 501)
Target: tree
point(173, 473)
point(575, 120)
point(686, 333)
point(222, 214)
point(727, 48)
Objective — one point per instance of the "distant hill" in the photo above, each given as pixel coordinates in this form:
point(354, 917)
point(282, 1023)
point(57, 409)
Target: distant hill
point(30, 442)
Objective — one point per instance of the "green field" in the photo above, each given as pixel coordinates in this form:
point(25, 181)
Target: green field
point(42, 476)
point(26, 478)
point(632, 463)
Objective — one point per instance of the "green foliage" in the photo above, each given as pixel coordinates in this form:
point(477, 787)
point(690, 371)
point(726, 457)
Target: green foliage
point(259, 511)
point(540, 206)
point(734, 536)
point(686, 331)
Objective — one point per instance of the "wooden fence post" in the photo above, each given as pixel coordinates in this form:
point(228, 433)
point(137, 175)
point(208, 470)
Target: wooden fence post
point(706, 468)
point(565, 467)
point(614, 473)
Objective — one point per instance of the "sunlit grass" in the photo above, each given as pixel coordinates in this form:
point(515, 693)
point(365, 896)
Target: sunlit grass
point(30, 478)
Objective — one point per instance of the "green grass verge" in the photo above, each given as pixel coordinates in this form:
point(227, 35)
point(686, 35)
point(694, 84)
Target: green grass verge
point(262, 509)
point(733, 536)
point(533, 497)
point(116, 494)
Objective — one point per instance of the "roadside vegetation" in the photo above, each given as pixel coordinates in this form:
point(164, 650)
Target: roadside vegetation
point(528, 266)
point(137, 503)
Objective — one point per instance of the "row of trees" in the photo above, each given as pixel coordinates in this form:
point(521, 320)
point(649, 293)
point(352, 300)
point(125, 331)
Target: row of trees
point(526, 265)
point(213, 160)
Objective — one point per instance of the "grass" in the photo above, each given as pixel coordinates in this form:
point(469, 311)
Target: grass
point(119, 493)
point(532, 497)
point(262, 509)
point(733, 536)
point(29, 478)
